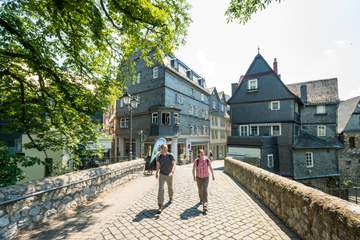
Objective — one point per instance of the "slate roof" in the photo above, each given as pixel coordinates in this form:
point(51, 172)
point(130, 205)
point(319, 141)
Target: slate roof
point(305, 140)
point(345, 110)
point(318, 91)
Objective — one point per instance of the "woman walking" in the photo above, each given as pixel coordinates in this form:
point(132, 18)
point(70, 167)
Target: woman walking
point(201, 175)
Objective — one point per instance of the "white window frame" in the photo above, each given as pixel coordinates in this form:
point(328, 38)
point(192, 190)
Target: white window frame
point(213, 104)
point(155, 72)
point(195, 110)
point(155, 118)
point(272, 130)
point(272, 105)
point(202, 97)
point(246, 132)
point(251, 132)
point(319, 111)
point(162, 123)
point(319, 131)
point(179, 98)
point(252, 84)
point(176, 118)
point(124, 122)
point(138, 77)
point(309, 159)
point(191, 109)
point(296, 107)
point(270, 160)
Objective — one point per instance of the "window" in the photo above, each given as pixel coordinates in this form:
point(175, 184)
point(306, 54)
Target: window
point(275, 105)
point(192, 130)
point(309, 160)
point(155, 72)
point(192, 92)
point(124, 122)
point(213, 104)
point(176, 119)
point(179, 98)
point(296, 108)
point(321, 131)
point(191, 109)
point(222, 107)
point(352, 142)
point(276, 130)
point(252, 84)
point(206, 114)
point(154, 118)
point(121, 103)
point(165, 119)
point(195, 110)
point(254, 131)
point(320, 109)
point(244, 130)
point(270, 160)
point(204, 130)
point(202, 97)
point(138, 77)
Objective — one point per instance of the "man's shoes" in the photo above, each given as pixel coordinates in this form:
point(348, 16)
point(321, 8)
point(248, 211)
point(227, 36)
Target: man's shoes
point(170, 200)
point(159, 211)
point(205, 207)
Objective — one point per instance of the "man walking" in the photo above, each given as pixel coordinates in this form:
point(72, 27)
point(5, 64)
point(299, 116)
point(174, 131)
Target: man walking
point(165, 163)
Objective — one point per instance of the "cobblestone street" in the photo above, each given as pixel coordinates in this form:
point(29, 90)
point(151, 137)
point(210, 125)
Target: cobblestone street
point(233, 214)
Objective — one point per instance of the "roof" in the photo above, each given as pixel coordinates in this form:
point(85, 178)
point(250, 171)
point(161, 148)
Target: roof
point(345, 110)
point(318, 91)
point(305, 140)
point(259, 67)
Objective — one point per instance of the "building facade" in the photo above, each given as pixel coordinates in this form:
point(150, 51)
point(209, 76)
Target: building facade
point(280, 128)
point(173, 103)
point(349, 131)
point(219, 122)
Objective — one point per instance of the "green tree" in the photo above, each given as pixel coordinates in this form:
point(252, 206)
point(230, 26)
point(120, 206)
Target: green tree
point(242, 10)
point(61, 61)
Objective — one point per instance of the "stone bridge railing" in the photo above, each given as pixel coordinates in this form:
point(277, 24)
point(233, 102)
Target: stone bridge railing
point(24, 206)
point(312, 214)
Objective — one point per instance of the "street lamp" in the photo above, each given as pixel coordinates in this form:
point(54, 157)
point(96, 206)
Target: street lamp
point(131, 102)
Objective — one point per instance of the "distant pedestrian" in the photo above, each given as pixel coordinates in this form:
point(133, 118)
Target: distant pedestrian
point(211, 156)
point(165, 164)
point(201, 175)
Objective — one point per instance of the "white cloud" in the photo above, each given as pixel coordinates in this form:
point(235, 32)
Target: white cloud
point(330, 52)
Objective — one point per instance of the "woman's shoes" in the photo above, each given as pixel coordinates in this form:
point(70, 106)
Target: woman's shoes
point(205, 207)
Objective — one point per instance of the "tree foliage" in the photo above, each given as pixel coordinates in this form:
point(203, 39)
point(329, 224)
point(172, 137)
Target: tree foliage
point(61, 61)
point(10, 163)
point(242, 10)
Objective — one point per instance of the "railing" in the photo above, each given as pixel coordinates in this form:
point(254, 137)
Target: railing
point(351, 194)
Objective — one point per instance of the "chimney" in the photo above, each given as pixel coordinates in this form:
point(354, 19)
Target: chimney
point(275, 67)
point(303, 93)
point(234, 87)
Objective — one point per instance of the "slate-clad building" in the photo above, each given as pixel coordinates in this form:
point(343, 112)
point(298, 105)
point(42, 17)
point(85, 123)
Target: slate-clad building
point(219, 122)
point(349, 130)
point(284, 129)
point(173, 104)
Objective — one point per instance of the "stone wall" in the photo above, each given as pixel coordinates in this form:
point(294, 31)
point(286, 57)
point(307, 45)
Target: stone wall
point(311, 213)
point(24, 206)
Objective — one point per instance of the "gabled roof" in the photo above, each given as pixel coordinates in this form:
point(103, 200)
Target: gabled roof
point(213, 91)
point(318, 91)
point(222, 96)
point(345, 110)
point(259, 67)
point(305, 141)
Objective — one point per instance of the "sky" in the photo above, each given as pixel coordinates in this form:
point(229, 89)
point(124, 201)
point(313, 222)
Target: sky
point(311, 39)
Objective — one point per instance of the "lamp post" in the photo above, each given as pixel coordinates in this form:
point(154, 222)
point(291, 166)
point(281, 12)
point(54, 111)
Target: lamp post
point(131, 102)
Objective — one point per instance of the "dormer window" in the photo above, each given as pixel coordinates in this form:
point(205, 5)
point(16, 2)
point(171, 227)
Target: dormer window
point(320, 109)
point(214, 105)
point(275, 105)
point(252, 84)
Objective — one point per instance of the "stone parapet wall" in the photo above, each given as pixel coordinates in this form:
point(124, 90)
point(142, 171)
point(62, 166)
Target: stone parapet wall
point(312, 214)
point(24, 206)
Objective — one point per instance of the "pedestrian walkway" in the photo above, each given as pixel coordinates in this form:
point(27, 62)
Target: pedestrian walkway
point(233, 214)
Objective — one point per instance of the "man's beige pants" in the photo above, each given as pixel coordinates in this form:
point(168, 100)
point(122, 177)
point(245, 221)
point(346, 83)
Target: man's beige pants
point(169, 182)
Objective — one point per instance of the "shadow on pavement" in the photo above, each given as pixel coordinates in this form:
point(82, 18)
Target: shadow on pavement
point(191, 212)
point(148, 213)
point(219, 169)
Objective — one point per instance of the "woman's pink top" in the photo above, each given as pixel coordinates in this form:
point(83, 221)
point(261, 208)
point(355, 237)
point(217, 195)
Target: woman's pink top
point(202, 167)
